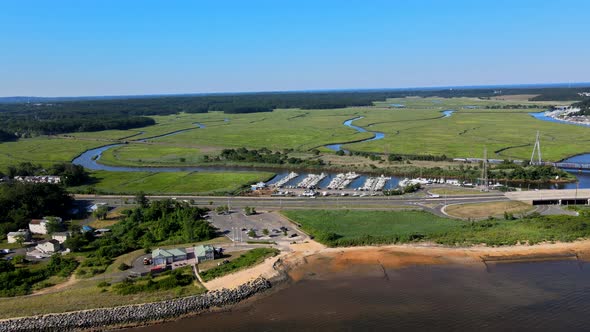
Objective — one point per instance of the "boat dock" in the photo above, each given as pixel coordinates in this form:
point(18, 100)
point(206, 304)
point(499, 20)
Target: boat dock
point(311, 181)
point(342, 181)
point(286, 179)
point(375, 184)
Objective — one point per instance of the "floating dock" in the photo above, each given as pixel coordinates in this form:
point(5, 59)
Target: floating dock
point(311, 181)
point(375, 184)
point(286, 179)
point(342, 181)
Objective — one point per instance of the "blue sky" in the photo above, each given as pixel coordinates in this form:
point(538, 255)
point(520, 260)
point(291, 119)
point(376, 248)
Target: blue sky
point(103, 47)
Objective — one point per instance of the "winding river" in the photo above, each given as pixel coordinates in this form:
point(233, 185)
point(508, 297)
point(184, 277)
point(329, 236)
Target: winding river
point(90, 160)
point(543, 117)
point(377, 135)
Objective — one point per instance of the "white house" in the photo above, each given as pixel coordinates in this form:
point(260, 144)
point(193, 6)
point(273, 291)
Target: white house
point(60, 237)
point(39, 226)
point(49, 246)
point(12, 237)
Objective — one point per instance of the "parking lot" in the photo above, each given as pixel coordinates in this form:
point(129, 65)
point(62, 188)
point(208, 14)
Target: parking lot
point(237, 225)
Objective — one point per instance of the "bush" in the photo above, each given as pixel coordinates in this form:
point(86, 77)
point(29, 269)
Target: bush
point(123, 267)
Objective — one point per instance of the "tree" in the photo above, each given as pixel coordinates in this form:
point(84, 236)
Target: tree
point(252, 233)
point(222, 209)
point(53, 225)
point(101, 212)
point(20, 239)
point(141, 200)
point(249, 210)
point(265, 232)
point(76, 242)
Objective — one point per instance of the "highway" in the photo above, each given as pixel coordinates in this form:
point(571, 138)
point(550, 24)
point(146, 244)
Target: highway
point(330, 202)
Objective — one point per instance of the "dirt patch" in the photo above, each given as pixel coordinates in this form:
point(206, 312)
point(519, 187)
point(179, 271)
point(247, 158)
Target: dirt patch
point(483, 210)
point(514, 97)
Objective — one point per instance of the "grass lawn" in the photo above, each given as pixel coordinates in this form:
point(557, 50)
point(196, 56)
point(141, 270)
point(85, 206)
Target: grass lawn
point(172, 182)
point(85, 294)
point(245, 260)
point(351, 228)
point(484, 210)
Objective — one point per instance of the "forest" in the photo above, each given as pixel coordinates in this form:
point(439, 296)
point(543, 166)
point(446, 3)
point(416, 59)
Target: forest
point(56, 117)
point(20, 202)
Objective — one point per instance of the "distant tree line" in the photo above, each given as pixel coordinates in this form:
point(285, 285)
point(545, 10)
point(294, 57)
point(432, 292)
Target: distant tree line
point(584, 107)
point(514, 106)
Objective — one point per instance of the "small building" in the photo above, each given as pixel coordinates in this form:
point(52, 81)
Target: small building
point(102, 231)
point(49, 246)
point(60, 237)
point(258, 186)
point(204, 253)
point(13, 237)
point(168, 256)
point(94, 207)
point(86, 229)
point(39, 226)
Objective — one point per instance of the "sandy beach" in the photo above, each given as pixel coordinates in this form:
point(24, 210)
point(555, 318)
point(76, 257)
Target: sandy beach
point(313, 257)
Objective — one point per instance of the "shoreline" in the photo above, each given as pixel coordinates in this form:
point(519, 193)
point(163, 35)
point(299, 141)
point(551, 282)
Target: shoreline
point(312, 259)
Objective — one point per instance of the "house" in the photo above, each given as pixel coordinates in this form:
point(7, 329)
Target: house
point(39, 226)
point(168, 256)
point(60, 237)
point(48, 246)
point(12, 237)
point(204, 253)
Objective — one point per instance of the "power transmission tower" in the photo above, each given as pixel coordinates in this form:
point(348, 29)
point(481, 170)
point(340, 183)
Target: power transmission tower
point(537, 148)
point(484, 169)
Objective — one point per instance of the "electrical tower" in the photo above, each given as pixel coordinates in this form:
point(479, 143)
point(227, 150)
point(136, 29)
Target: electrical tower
point(536, 148)
point(484, 169)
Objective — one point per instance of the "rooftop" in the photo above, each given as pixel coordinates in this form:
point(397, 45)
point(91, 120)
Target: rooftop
point(201, 250)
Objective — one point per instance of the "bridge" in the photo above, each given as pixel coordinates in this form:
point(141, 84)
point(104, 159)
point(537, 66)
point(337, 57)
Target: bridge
point(567, 165)
point(552, 197)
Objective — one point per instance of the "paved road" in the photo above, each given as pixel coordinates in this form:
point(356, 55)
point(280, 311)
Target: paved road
point(373, 203)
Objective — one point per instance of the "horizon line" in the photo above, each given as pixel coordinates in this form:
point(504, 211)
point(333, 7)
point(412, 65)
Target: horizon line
point(420, 88)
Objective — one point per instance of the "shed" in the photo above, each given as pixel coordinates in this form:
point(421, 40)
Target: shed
point(204, 253)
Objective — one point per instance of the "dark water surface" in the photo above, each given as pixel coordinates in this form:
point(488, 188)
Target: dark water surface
point(541, 296)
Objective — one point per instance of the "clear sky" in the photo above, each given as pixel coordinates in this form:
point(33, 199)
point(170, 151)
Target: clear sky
point(104, 47)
